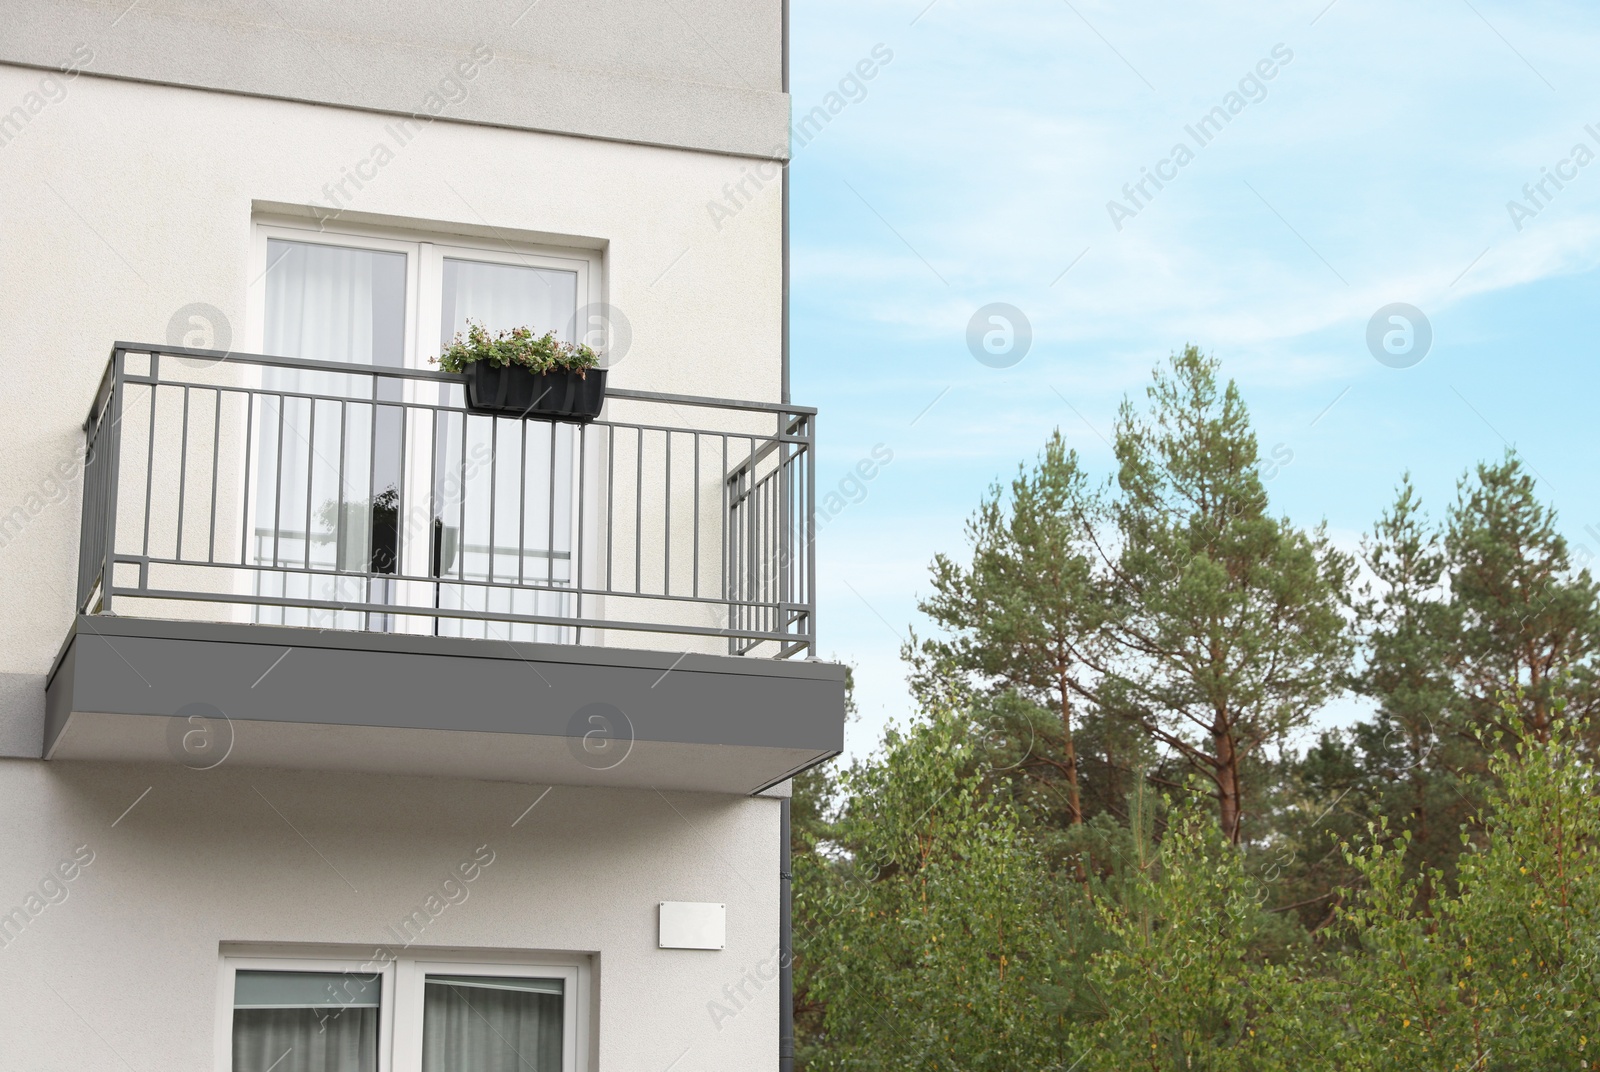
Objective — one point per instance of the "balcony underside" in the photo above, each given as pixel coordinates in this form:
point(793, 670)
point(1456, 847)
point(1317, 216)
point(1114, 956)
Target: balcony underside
point(203, 694)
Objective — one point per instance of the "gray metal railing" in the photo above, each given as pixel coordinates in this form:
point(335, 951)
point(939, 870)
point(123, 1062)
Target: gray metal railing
point(244, 487)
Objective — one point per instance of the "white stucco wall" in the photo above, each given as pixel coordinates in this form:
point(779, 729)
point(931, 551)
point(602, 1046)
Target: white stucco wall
point(121, 203)
point(703, 74)
point(122, 971)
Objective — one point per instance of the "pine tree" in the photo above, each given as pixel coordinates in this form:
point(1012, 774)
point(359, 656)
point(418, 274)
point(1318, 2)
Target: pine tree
point(1412, 751)
point(1527, 617)
point(1229, 621)
point(1028, 614)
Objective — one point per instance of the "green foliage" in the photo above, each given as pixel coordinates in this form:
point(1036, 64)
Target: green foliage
point(940, 937)
point(519, 346)
point(922, 941)
point(1417, 750)
point(1525, 616)
point(1454, 616)
point(1169, 614)
point(1504, 972)
point(1179, 984)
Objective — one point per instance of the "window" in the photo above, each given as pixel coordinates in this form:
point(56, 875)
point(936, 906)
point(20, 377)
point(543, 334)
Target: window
point(292, 1020)
point(412, 1014)
point(334, 475)
point(374, 296)
point(492, 1023)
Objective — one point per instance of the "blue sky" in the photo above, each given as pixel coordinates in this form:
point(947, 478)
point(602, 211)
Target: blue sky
point(1376, 169)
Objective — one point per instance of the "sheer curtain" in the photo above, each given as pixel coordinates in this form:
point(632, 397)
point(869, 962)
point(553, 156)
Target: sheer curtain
point(504, 296)
point(491, 1024)
point(329, 303)
point(305, 1022)
point(533, 466)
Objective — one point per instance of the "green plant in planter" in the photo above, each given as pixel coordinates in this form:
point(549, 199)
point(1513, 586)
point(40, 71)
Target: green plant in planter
point(519, 346)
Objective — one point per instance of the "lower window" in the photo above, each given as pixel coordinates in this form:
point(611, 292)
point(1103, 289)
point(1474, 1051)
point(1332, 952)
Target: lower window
point(409, 1014)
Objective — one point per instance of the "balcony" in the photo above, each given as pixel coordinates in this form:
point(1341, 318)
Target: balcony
point(337, 566)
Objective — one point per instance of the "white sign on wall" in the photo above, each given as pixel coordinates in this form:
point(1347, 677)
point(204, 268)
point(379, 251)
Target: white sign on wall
point(693, 925)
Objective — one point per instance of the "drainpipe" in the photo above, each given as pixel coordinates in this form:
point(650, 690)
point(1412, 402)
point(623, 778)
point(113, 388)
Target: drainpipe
point(785, 881)
point(785, 952)
point(784, 189)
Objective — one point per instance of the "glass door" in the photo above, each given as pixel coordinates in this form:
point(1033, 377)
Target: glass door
point(383, 492)
point(328, 473)
point(505, 488)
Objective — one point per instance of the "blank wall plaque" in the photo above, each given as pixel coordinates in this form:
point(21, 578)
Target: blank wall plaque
point(693, 925)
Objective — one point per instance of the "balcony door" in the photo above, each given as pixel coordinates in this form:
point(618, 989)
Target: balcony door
point(328, 464)
point(373, 491)
point(506, 533)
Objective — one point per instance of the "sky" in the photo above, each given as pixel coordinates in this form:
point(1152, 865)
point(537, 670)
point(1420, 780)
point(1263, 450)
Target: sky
point(1376, 166)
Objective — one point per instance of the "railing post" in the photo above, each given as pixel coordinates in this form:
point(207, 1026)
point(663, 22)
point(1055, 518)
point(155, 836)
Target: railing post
point(810, 512)
point(730, 546)
point(89, 517)
point(113, 480)
point(788, 453)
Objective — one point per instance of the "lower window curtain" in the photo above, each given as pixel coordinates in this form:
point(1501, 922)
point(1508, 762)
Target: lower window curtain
point(487, 1028)
point(305, 1040)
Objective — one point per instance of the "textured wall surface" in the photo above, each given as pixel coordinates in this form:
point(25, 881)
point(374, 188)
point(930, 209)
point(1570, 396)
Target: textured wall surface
point(124, 963)
point(703, 74)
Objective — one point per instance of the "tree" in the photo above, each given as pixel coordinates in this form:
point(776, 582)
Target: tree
point(1504, 972)
point(1178, 982)
point(941, 939)
point(1028, 614)
point(930, 936)
point(1412, 751)
point(1527, 617)
point(1314, 801)
point(978, 897)
point(1228, 621)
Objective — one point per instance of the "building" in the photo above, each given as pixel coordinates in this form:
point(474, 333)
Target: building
point(347, 727)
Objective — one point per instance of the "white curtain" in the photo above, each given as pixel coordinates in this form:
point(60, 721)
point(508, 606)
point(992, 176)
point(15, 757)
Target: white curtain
point(305, 1022)
point(335, 460)
point(533, 466)
point(505, 296)
point(322, 302)
point(305, 1040)
point(491, 1025)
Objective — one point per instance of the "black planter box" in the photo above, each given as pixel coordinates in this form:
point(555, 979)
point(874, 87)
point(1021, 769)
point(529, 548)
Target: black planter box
point(514, 391)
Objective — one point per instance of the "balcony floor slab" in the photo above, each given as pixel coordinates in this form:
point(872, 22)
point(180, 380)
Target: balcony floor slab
point(139, 689)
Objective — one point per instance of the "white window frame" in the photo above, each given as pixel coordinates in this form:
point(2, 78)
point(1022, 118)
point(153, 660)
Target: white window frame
point(426, 253)
point(232, 965)
point(401, 1002)
point(412, 975)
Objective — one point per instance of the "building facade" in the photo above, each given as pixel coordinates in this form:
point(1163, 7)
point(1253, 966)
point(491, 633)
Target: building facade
point(344, 724)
